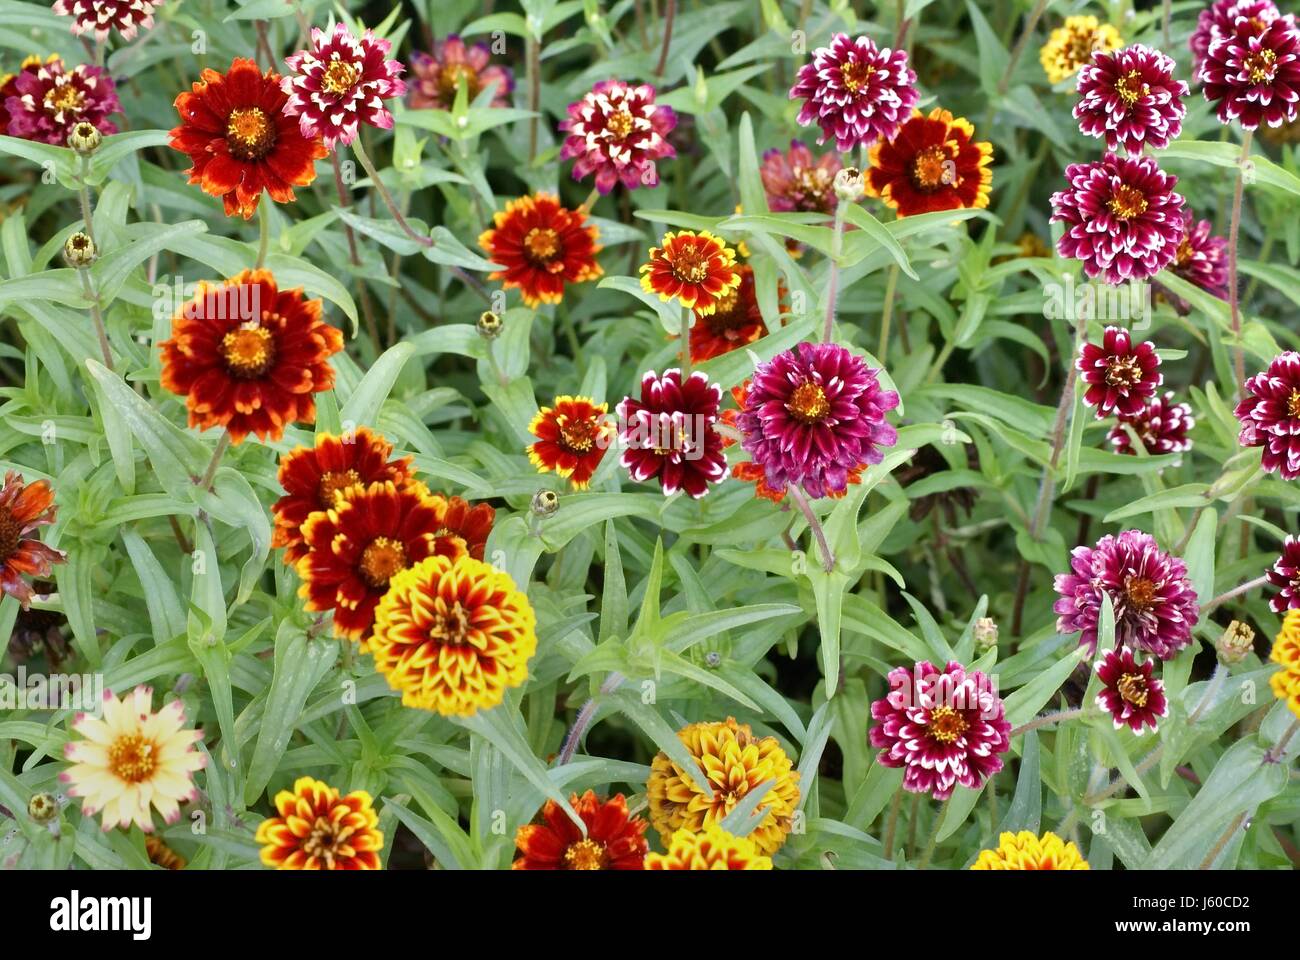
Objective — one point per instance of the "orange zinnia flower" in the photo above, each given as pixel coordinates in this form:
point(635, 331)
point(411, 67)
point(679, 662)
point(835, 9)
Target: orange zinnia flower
point(734, 322)
point(358, 545)
point(24, 507)
point(319, 830)
point(248, 356)
point(696, 268)
point(572, 438)
point(933, 163)
point(542, 246)
point(711, 849)
point(471, 524)
point(312, 475)
point(614, 840)
point(236, 133)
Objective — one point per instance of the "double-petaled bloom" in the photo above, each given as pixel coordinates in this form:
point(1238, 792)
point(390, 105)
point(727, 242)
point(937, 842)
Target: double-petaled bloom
point(317, 829)
point(1130, 99)
point(1025, 851)
point(1269, 411)
point(341, 82)
point(710, 849)
point(572, 437)
point(932, 163)
point(1120, 376)
point(856, 92)
point(1285, 575)
point(541, 247)
point(696, 269)
point(1122, 218)
point(670, 433)
point(1130, 691)
point(618, 132)
point(735, 322)
point(1162, 426)
point(1252, 72)
point(1219, 19)
point(45, 101)
point(796, 181)
point(615, 840)
point(436, 77)
point(1074, 44)
point(98, 17)
point(1285, 682)
point(1202, 259)
point(23, 508)
point(241, 141)
point(944, 727)
point(1153, 601)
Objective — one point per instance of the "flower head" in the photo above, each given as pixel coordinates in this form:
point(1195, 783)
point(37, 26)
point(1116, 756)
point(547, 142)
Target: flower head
point(249, 356)
point(1154, 603)
point(932, 163)
point(1131, 692)
point(944, 727)
point(340, 83)
point(1269, 411)
point(1131, 99)
point(130, 759)
point(572, 437)
point(1235, 643)
point(1121, 376)
point(617, 132)
point(710, 849)
point(48, 100)
point(1202, 259)
point(436, 77)
point(1252, 72)
point(1024, 851)
point(795, 181)
point(698, 269)
point(316, 829)
point(1122, 218)
point(1074, 44)
point(101, 16)
point(856, 92)
point(669, 432)
point(1219, 19)
point(1161, 427)
point(24, 507)
point(240, 140)
point(812, 415)
point(452, 635)
point(615, 840)
point(736, 321)
point(1285, 575)
point(733, 761)
point(542, 246)
point(1285, 683)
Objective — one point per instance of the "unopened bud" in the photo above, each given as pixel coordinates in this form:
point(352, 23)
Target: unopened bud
point(85, 138)
point(79, 250)
point(986, 633)
point(42, 807)
point(490, 325)
point(545, 503)
point(850, 185)
point(1237, 642)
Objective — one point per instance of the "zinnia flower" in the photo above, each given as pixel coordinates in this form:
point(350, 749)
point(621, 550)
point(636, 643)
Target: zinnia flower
point(100, 16)
point(1269, 411)
point(733, 761)
point(24, 507)
point(617, 132)
point(1219, 19)
point(614, 840)
point(795, 181)
point(1253, 72)
point(356, 547)
point(249, 357)
point(1202, 259)
point(1131, 99)
point(1161, 426)
point(48, 100)
point(542, 246)
point(1285, 683)
point(436, 78)
point(572, 438)
point(698, 269)
point(735, 321)
point(1122, 217)
point(1024, 851)
point(340, 83)
point(1120, 375)
point(1131, 693)
point(241, 141)
point(711, 849)
point(812, 415)
point(131, 759)
point(933, 163)
point(943, 727)
point(856, 92)
point(669, 433)
point(311, 476)
point(1154, 603)
point(453, 635)
point(161, 855)
point(319, 830)
point(1074, 43)
point(1285, 575)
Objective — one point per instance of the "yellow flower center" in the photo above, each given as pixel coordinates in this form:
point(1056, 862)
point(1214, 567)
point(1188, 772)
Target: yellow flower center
point(1293, 404)
point(1133, 688)
point(453, 630)
point(339, 77)
point(813, 182)
point(855, 74)
point(690, 264)
point(334, 481)
point(453, 75)
point(64, 97)
point(11, 533)
point(248, 351)
point(1131, 88)
point(542, 244)
point(381, 560)
point(620, 124)
point(323, 842)
point(132, 758)
point(578, 435)
point(1123, 372)
point(1127, 202)
point(1140, 593)
point(1261, 65)
point(249, 133)
point(946, 724)
point(585, 855)
point(932, 168)
point(1184, 254)
point(724, 316)
point(809, 403)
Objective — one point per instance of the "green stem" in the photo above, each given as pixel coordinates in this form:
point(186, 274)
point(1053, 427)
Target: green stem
point(1234, 231)
point(1234, 592)
point(83, 196)
point(934, 835)
point(263, 233)
point(210, 474)
point(684, 349)
point(669, 14)
point(386, 196)
point(891, 823)
point(801, 501)
point(887, 313)
point(1059, 717)
point(1021, 42)
point(833, 281)
point(96, 315)
point(1222, 842)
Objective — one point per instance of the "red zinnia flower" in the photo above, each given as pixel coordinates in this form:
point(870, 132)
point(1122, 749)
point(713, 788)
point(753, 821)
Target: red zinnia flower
point(542, 247)
point(1202, 259)
point(614, 840)
point(1220, 19)
point(932, 163)
point(1253, 72)
point(241, 141)
point(1269, 412)
point(669, 432)
point(436, 78)
point(572, 438)
point(1285, 575)
point(1130, 98)
point(48, 100)
point(1121, 376)
point(24, 507)
point(1161, 427)
point(1131, 693)
point(249, 357)
point(100, 16)
point(736, 320)
point(795, 181)
point(856, 92)
point(698, 269)
point(618, 132)
point(471, 523)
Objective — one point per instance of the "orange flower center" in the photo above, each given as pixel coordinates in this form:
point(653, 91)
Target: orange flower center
point(809, 403)
point(620, 124)
point(1123, 372)
point(453, 630)
point(132, 758)
point(1131, 88)
point(579, 436)
point(690, 264)
point(1133, 688)
point(323, 842)
point(585, 855)
point(334, 481)
point(1261, 65)
point(249, 351)
point(382, 558)
point(542, 244)
point(249, 133)
point(64, 97)
point(1293, 404)
point(946, 724)
point(855, 74)
point(1127, 202)
point(339, 77)
point(11, 534)
point(933, 168)
point(1140, 593)
point(453, 75)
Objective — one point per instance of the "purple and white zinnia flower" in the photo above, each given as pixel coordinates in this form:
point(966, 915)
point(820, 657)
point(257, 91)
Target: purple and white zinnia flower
point(1131, 99)
point(856, 92)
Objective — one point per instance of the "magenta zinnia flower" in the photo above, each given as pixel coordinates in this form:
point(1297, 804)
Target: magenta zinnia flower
point(435, 78)
point(50, 100)
point(1161, 426)
point(1154, 603)
point(669, 433)
point(812, 415)
point(1121, 377)
point(944, 727)
point(1269, 411)
point(1131, 693)
point(796, 181)
point(856, 92)
point(1253, 72)
point(1221, 18)
point(1123, 219)
point(1285, 575)
point(101, 16)
point(341, 83)
point(1131, 99)
point(1202, 258)
point(618, 132)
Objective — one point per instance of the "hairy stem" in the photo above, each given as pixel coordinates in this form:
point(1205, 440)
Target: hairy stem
point(386, 196)
point(801, 501)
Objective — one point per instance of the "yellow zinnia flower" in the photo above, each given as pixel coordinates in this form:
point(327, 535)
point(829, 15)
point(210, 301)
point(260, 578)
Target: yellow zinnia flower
point(1024, 851)
point(318, 830)
point(1286, 652)
point(1072, 44)
point(711, 849)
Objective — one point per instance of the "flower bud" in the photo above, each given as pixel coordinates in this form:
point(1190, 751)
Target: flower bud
point(489, 325)
point(42, 807)
point(545, 503)
point(79, 250)
point(85, 138)
point(1237, 642)
point(986, 633)
point(850, 185)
